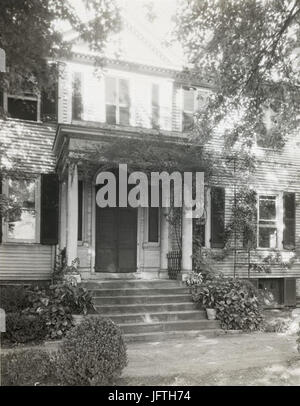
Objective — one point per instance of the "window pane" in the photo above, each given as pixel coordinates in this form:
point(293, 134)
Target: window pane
point(267, 237)
point(22, 225)
point(267, 208)
point(110, 90)
point(22, 109)
point(124, 115)
point(155, 95)
point(111, 114)
point(153, 226)
point(188, 100)
point(124, 92)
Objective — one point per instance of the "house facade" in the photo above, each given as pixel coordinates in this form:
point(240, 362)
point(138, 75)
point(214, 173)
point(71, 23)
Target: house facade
point(140, 95)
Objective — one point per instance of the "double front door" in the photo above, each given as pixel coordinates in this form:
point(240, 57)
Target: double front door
point(116, 239)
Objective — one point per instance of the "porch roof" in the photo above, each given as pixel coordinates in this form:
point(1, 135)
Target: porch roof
point(27, 146)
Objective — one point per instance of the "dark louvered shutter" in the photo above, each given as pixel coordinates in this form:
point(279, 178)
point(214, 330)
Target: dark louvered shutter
point(217, 217)
point(80, 209)
point(0, 212)
point(49, 209)
point(290, 291)
point(289, 219)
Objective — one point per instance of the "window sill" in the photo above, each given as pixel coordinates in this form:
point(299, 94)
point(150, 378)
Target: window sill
point(151, 245)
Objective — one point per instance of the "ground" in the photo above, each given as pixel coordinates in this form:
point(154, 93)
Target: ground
point(234, 359)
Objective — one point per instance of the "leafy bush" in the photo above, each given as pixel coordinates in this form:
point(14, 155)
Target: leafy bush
point(26, 367)
point(298, 339)
point(92, 353)
point(13, 298)
point(22, 328)
point(235, 301)
point(56, 304)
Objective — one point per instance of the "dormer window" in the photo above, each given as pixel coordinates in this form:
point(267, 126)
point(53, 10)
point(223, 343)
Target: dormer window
point(25, 106)
point(188, 110)
point(117, 101)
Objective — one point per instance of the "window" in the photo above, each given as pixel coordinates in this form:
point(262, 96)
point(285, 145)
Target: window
point(153, 224)
point(77, 96)
point(22, 223)
point(188, 109)
point(267, 221)
point(24, 107)
point(155, 105)
point(117, 101)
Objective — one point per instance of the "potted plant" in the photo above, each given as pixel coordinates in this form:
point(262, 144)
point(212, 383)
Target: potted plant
point(206, 296)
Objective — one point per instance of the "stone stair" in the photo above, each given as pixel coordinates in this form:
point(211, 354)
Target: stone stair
point(153, 310)
point(298, 301)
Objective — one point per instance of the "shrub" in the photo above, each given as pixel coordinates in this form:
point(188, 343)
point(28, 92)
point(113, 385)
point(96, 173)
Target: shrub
point(298, 339)
point(56, 304)
point(236, 302)
point(26, 367)
point(13, 298)
point(92, 353)
point(22, 328)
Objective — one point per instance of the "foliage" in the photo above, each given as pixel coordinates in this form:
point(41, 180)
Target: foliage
point(26, 368)
point(247, 52)
point(23, 328)
point(13, 298)
point(194, 278)
point(56, 304)
point(235, 301)
point(298, 339)
point(41, 25)
point(244, 218)
point(92, 353)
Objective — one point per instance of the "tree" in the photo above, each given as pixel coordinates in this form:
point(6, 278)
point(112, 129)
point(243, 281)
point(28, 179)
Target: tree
point(31, 35)
point(247, 50)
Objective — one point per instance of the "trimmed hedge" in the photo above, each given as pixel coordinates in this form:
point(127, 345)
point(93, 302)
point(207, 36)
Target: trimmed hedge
point(92, 353)
point(13, 298)
point(22, 328)
point(26, 368)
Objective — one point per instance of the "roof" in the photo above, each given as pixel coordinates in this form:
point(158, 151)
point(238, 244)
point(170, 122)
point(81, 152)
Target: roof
point(27, 146)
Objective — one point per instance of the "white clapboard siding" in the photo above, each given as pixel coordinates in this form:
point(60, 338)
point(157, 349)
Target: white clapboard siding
point(26, 262)
point(141, 92)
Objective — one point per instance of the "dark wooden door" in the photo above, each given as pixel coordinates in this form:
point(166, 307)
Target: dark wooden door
point(116, 239)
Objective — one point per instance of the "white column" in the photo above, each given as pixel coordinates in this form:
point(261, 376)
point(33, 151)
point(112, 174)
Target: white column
point(164, 239)
point(186, 241)
point(72, 218)
point(63, 216)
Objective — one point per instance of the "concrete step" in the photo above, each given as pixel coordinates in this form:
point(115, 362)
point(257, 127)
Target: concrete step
point(179, 325)
point(172, 335)
point(132, 284)
point(157, 317)
point(140, 292)
point(144, 308)
point(112, 300)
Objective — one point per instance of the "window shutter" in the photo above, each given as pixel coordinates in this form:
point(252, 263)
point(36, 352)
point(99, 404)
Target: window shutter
point(289, 217)
point(290, 291)
point(49, 209)
point(0, 212)
point(217, 217)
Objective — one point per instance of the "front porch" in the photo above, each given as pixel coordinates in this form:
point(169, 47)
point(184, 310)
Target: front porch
point(117, 243)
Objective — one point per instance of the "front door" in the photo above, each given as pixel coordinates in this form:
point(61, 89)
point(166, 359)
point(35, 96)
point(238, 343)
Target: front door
point(116, 239)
